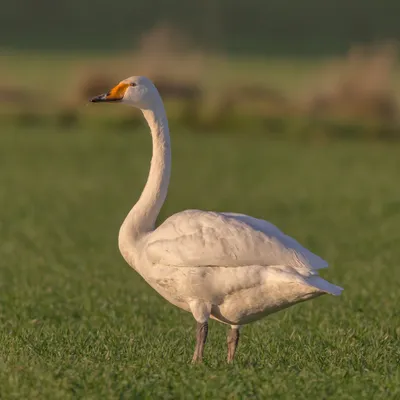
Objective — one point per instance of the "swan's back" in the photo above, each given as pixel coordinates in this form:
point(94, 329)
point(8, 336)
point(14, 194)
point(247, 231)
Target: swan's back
point(199, 238)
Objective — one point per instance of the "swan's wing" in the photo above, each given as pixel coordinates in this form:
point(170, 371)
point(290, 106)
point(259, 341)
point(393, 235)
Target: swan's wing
point(314, 261)
point(197, 238)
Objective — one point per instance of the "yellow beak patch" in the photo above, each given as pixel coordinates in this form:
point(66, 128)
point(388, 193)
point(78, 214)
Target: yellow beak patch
point(117, 92)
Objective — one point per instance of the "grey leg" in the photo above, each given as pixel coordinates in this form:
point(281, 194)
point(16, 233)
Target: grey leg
point(233, 340)
point(201, 337)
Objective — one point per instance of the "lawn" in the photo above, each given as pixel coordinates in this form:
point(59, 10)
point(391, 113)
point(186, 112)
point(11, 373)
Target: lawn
point(77, 322)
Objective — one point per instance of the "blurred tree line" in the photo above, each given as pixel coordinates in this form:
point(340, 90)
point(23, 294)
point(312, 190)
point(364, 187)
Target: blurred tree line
point(250, 26)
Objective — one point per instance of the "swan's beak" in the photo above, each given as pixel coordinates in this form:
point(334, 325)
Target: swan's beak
point(115, 94)
point(101, 97)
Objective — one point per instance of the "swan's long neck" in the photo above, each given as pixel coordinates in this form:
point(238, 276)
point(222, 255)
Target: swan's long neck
point(141, 219)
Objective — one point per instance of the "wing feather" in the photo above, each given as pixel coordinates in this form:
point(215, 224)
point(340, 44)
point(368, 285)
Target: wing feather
point(195, 238)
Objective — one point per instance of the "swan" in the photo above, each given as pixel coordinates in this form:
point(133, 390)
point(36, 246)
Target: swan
point(230, 267)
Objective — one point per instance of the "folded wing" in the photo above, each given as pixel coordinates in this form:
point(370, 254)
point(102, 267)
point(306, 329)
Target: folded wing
point(195, 238)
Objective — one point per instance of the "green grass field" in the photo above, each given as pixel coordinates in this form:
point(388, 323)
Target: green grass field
point(77, 322)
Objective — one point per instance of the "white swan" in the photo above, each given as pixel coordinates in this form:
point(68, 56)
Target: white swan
point(229, 267)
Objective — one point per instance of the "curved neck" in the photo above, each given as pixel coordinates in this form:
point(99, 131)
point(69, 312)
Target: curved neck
point(141, 219)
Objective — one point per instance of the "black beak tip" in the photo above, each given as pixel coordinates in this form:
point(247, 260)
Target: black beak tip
point(97, 99)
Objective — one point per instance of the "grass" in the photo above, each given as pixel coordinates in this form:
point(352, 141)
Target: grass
point(77, 322)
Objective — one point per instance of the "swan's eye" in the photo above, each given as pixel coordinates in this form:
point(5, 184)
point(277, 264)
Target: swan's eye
point(132, 84)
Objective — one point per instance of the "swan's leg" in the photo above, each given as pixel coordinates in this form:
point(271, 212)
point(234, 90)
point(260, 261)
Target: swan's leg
point(201, 312)
point(233, 340)
point(201, 337)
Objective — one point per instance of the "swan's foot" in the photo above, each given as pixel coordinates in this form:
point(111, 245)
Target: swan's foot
point(233, 340)
point(201, 337)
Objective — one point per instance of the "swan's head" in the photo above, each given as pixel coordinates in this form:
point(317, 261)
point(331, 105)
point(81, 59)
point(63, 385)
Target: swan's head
point(137, 91)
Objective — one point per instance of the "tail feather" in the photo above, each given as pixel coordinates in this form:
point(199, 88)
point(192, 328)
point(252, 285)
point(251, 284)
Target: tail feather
point(324, 285)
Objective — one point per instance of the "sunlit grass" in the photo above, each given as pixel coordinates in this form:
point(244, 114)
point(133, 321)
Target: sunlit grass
point(77, 322)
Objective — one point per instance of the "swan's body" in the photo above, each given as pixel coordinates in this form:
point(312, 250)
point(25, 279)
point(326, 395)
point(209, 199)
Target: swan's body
point(245, 268)
point(230, 267)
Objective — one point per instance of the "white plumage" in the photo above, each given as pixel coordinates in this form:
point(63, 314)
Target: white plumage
point(230, 267)
point(199, 238)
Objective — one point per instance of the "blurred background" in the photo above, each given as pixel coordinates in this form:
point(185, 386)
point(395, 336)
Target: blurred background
point(302, 69)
